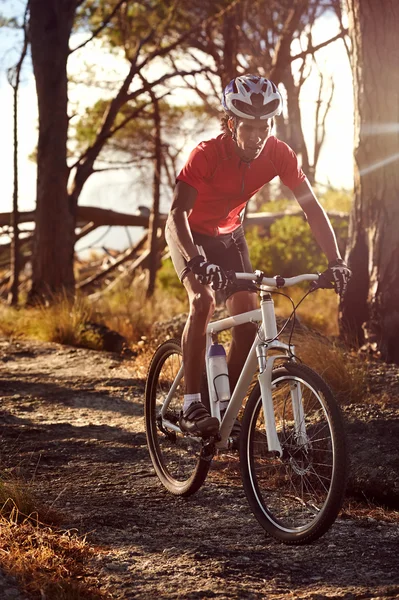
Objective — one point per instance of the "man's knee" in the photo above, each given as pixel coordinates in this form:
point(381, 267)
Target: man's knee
point(202, 305)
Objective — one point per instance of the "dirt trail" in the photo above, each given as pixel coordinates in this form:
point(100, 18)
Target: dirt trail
point(73, 418)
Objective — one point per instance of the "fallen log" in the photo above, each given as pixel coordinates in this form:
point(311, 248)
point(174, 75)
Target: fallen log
point(92, 217)
point(125, 256)
point(91, 214)
point(139, 262)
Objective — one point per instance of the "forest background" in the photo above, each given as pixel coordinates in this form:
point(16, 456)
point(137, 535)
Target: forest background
point(121, 88)
point(101, 101)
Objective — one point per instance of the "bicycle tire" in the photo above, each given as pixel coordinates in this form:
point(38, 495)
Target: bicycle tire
point(296, 498)
point(178, 459)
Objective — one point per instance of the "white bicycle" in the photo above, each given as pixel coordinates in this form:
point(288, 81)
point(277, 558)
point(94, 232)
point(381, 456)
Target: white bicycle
point(292, 445)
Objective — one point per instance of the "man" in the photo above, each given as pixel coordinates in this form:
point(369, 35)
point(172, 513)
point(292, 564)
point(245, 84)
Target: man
point(205, 235)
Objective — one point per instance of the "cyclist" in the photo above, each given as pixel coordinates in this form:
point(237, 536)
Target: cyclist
point(205, 235)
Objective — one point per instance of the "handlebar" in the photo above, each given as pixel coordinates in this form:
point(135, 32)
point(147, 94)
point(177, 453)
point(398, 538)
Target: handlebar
point(319, 280)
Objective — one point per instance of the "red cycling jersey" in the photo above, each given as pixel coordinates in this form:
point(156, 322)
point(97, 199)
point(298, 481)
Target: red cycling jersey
point(225, 183)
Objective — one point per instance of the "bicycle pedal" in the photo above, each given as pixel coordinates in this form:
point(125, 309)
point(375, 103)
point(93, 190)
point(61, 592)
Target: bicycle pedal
point(209, 449)
point(233, 444)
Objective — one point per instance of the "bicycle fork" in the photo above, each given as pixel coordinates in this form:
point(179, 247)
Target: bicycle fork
point(266, 364)
point(265, 381)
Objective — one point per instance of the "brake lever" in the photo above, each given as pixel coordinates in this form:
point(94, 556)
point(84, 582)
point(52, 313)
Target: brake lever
point(231, 276)
point(323, 283)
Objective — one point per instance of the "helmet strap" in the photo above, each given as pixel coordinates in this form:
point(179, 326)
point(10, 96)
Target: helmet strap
point(233, 130)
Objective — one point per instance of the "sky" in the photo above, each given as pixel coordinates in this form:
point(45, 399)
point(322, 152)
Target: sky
point(117, 190)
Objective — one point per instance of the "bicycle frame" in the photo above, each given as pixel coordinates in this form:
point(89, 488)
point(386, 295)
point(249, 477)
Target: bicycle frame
point(259, 355)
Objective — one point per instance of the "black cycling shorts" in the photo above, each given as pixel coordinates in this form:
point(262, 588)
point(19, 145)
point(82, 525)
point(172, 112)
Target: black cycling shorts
point(229, 251)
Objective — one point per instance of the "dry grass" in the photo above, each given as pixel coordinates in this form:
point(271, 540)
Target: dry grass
point(18, 503)
point(357, 510)
point(318, 311)
point(62, 321)
point(346, 373)
point(128, 311)
point(47, 563)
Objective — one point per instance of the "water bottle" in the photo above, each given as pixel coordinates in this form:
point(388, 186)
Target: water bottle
point(219, 375)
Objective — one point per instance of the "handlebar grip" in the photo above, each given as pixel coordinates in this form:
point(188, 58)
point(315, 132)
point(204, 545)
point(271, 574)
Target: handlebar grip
point(324, 281)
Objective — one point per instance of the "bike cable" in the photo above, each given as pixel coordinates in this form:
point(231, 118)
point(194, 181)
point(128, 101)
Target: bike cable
point(292, 317)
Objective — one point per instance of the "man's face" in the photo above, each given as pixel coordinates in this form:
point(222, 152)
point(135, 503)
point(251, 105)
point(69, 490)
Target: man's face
point(251, 137)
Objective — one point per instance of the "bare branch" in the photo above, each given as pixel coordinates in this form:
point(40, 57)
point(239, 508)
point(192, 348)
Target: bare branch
point(336, 4)
point(313, 49)
point(283, 46)
point(320, 138)
point(164, 78)
point(101, 27)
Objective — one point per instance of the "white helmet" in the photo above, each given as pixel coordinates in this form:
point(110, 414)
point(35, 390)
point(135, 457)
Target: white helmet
point(252, 97)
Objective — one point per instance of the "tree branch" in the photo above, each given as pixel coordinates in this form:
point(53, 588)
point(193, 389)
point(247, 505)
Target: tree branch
point(100, 28)
point(313, 49)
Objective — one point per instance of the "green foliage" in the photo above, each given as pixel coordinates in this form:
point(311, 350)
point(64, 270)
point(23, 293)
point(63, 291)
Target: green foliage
point(133, 135)
point(338, 200)
point(158, 22)
point(277, 205)
point(290, 248)
point(135, 138)
point(331, 200)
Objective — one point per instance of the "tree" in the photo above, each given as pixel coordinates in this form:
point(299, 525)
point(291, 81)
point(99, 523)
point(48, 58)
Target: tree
point(14, 79)
point(258, 36)
point(51, 24)
point(146, 33)
point(370, 309)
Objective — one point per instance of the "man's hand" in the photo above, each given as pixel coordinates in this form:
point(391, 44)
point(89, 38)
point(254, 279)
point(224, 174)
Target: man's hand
point(208, 273)
point(341, 274)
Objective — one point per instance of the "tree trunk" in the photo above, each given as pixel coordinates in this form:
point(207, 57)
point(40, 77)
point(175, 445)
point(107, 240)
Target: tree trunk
point(14, 78)
point(154, 218)
point(231, 22)
point(296, 138)
point(372, 301)
point(50, 28)
point(15, 258)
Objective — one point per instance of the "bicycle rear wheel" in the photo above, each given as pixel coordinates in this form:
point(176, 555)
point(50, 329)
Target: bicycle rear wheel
point(297, 497)
point(179, 460)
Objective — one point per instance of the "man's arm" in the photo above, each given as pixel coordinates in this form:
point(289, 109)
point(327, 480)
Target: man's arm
point(318, 221)
point(178, 228)
point(177, 222)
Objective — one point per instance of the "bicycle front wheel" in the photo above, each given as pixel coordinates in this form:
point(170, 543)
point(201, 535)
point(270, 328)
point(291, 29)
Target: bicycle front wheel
point(296, 497)
point(178, 459)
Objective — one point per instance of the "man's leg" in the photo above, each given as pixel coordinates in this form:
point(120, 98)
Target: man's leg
point(242, 335)
point(202, 305)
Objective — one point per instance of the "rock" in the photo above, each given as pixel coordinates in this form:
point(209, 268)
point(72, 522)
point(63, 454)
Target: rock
point(111, 341)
